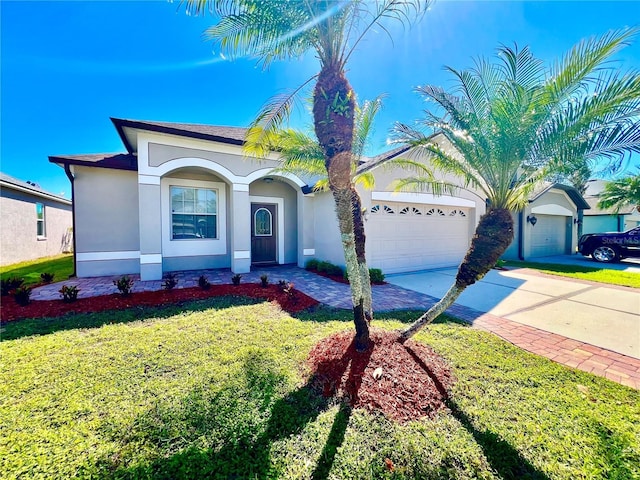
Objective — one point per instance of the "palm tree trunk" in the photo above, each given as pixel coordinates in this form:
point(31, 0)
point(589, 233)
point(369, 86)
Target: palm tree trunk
point(333, 112)
point(493, 236)
point(360, 239)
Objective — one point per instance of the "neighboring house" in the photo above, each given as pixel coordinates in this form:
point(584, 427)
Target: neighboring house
point(35, 223)
point(599, 220)
point(184, 196)
point(548, 225)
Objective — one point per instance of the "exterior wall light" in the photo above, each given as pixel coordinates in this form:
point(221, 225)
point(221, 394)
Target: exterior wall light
point(532, 219)
point(268, 180)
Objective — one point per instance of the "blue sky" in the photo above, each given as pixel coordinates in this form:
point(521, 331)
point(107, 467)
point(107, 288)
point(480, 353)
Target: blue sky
point(69, 66)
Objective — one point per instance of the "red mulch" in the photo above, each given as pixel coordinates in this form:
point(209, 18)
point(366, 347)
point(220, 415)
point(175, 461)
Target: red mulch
point(11, 311)
point(415, 380)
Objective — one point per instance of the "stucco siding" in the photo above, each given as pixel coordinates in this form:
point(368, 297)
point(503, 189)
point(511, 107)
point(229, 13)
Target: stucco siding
point(106, 210)
point(237, 164)
point(327, 242)
point(513, 251)
point(174, 264)
point(18, 236)
point(99, 268)
point(385, 176)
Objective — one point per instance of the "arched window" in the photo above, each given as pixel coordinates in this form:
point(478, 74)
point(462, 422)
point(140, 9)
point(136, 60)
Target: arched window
point(262, 223)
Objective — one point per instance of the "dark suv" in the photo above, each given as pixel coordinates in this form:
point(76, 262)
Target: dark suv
point(611, 247)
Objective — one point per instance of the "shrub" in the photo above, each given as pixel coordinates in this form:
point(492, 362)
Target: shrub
point(287, 288)
point(500, 263)
point(47, 277)
point(311, 264)
point(323, 267)
point(376, 275)
point(170, 281)
point(69, 293)
point(264, 281)
point(203, 283)
point(124, 285)
point(335, 270)
point(22, 296)
point(329, 268)
point(236, 279)
point(7, 285)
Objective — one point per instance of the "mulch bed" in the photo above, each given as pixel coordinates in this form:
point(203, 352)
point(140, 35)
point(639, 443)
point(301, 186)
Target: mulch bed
point(292, 303)
point(414, 381)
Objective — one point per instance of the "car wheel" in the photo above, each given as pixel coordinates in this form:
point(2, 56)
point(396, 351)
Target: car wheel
point(605, 254)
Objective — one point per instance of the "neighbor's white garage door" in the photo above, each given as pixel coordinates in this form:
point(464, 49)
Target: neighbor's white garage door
point(549, 236)
point(404, 237)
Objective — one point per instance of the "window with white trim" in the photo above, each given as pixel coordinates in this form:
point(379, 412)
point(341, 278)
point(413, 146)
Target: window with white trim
point(194, 213)
point(40, 220)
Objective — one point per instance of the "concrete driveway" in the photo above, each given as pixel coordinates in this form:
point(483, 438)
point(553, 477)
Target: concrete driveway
point(601, 315)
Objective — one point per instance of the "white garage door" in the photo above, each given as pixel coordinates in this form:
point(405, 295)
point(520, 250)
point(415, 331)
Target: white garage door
point(549, 236)
point(404, 237)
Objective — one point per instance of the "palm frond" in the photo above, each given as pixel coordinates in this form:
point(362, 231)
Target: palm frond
point(263, 130)
point(260, 29)
point(364, 120)
point(425, 184)
point(621, 193)
point(403, 11)
point(365, 179)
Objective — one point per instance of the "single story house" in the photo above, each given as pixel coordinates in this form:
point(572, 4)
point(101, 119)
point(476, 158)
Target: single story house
point(35, 223)
point(183, 196)
point(597, 220)
point(549, 224)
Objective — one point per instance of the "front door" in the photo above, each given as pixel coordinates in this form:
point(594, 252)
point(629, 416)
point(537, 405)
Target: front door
point(263, 233)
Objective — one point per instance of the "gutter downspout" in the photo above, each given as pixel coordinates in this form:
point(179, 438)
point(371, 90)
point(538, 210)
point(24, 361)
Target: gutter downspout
point(520, 236)
point(67, 170)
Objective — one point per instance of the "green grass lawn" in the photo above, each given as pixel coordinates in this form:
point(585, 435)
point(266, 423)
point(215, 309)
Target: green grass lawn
point(595, 274)
point(60, 265)
point(215, 389)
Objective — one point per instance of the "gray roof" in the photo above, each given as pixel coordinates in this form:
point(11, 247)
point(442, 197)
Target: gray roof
point(593, 202)
point(129, 160)
point(7, 181)
point(119, 161)
point(216, 133)
point(380, 159)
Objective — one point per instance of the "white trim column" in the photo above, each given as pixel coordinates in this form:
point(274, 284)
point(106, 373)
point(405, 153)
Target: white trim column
point(240, 228)
point(306, 228)
point(150, 224)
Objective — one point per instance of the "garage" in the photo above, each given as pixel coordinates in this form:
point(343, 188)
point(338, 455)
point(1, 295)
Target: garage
point(549, 236)
point(403, 237)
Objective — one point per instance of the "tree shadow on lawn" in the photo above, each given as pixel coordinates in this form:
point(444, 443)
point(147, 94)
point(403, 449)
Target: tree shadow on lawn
point(72, 321)
point(502, 457)
point(228, 433)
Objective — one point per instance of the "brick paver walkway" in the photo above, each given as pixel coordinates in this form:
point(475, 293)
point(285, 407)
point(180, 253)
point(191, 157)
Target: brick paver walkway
point(605, 363)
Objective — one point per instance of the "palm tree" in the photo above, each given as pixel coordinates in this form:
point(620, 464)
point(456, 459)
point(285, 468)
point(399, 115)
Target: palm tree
point(511, 124)
point(621, 193)
point(275, 30)
point(302, 155)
